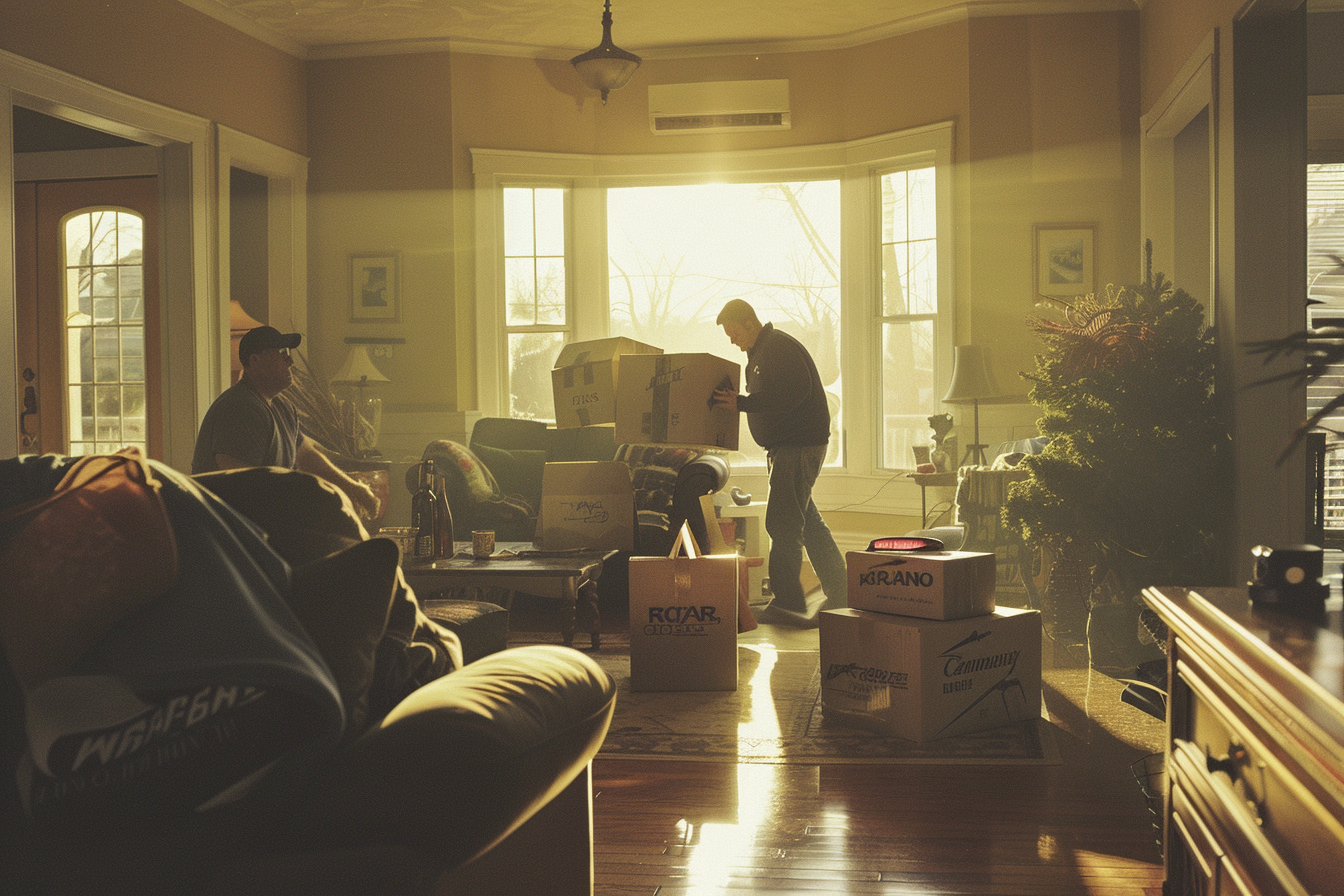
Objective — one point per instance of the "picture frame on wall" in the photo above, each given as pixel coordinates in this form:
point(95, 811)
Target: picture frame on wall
point(375, 286)
point(1065, 260)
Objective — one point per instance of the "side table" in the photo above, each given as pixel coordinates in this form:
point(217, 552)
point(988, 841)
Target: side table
point(926, 481)
point(567, 576)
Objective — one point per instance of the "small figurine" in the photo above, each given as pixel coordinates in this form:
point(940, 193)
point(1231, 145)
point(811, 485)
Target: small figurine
point(943, 452)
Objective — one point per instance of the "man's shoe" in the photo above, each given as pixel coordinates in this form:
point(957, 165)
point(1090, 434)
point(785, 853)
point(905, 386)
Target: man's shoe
point(773, 615)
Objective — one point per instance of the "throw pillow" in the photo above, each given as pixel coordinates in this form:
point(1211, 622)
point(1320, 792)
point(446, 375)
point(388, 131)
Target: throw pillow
point(518, 472)
point(343, 602)
point(81, 560)
point(469, 480)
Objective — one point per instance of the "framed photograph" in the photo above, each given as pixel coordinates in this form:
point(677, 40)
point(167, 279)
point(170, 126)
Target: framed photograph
point(375, 284)
point(1065, 259)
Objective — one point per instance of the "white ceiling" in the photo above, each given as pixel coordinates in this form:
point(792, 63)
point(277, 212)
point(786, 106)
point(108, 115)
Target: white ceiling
point(562, 28)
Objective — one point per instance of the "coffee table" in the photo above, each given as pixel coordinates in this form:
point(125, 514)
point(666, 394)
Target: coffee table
point(567, 576)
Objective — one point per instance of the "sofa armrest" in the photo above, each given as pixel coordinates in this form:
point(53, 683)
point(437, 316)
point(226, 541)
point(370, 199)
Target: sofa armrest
point(465, 760)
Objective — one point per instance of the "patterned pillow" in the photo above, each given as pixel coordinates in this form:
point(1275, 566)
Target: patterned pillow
point(653, 473)
point(469, 480)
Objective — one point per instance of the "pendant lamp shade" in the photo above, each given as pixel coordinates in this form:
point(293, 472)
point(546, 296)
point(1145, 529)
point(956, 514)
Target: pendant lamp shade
point(606, 67)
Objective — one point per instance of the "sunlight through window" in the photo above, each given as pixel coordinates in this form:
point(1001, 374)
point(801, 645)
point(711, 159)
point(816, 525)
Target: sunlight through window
point(105, 331)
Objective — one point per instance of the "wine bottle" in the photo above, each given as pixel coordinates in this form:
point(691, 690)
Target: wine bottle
point(443, 538)
point(424, 510)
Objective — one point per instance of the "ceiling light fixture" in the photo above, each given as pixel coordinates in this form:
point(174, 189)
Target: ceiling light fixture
point(606, 67)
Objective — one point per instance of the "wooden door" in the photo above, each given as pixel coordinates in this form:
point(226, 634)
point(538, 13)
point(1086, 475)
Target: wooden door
point(88, 315)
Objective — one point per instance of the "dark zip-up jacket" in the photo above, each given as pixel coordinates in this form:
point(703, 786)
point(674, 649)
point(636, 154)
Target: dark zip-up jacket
point(785, 404)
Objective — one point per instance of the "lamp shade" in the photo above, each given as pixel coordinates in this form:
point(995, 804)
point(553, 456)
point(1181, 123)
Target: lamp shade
point(971, 376)
point(606, 67)
point(239, 323)
point(359, 368)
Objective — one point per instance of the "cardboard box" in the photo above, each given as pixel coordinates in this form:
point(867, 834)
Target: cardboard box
point(586, 504)
point(585, 376)
point(668, 399)
point(931, 585)
point(923, 679)
point(683, 622)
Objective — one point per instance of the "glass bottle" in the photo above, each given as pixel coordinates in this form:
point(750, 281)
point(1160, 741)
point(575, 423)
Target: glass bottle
point(424, 511)
point(443, 538)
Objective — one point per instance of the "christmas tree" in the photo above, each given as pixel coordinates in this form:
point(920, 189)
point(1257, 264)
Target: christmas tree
point(1132, 480)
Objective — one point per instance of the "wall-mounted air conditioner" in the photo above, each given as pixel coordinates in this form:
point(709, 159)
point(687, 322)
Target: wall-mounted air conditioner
point(710, 106)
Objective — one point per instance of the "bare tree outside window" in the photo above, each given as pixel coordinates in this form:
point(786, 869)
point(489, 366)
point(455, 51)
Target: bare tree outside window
point(678, 253)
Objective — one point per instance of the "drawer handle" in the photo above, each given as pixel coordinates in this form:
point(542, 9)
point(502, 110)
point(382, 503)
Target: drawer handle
point(1230, 764)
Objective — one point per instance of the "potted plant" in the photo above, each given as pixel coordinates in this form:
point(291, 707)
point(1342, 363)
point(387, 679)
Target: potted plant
point(1128, 491)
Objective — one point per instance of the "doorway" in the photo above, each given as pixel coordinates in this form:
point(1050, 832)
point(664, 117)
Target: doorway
point(89, 317)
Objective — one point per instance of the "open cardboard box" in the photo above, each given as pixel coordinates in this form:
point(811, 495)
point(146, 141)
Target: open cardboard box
point(586, 504)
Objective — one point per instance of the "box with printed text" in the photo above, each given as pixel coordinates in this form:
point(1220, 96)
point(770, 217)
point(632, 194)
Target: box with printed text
point(683, 623)
point(928, 584)
point(585, 376)
point(587, 505)
point(669, 399)
point(923, 679)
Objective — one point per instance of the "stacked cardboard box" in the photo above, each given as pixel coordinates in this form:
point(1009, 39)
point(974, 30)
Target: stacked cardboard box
point(922, 652)
point(585, 377)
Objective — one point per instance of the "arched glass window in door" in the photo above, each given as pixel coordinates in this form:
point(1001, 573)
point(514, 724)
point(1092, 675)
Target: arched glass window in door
point(105, 331)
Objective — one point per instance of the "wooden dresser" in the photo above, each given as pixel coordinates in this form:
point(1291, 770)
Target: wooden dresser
point(1255, 753)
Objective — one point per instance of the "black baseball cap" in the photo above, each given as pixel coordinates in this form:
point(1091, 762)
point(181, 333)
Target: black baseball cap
point(260, 338)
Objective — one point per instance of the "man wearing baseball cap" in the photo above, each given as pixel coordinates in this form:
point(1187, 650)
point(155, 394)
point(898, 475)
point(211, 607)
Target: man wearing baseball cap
point(252, 425)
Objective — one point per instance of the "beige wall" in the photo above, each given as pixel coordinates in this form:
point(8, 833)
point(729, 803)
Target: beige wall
point(168, 53)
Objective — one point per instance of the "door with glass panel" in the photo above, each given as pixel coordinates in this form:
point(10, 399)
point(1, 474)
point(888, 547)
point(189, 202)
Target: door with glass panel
point(89, 316)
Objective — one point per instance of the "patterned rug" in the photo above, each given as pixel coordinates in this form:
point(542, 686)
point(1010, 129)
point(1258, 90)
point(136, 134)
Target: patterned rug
point(775, 716)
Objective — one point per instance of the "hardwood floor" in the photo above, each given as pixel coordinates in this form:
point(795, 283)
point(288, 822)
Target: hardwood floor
point(1081, 827)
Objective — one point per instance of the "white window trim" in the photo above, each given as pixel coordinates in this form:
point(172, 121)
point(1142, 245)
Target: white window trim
point(861, 484)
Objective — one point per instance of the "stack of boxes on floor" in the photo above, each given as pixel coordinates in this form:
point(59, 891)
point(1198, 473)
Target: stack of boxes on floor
point(922, 653)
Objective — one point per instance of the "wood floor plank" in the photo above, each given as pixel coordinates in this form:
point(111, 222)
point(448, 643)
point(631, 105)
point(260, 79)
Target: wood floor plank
point(668, 828)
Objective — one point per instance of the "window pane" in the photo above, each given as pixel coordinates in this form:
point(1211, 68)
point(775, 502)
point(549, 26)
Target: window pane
point(518, 222)
point(921, 286)
point(907, 390)
point(550, 221)
point(531, 357)
point(104, 228)
point(909, 243)
point(105, 339)
point(520, 291)
point(550, 290)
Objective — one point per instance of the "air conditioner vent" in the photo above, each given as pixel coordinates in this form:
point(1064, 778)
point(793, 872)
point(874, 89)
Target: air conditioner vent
point(719, 106)
point(741, 121)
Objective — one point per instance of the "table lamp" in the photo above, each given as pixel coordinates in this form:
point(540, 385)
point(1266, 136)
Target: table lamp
point(972, 382)
point(362, 415)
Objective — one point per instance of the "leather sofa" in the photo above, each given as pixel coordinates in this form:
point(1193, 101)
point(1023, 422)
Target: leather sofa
point(383, 765)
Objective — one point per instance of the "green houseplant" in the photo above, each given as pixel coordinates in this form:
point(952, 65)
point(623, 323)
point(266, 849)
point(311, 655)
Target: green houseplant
point(1127, 492)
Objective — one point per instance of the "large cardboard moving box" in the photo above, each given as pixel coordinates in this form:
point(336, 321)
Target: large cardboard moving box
point(669, 399)
point(923, 679)
point(586, 504)
point(683, 620)
point(932, 585)
point(585, 377)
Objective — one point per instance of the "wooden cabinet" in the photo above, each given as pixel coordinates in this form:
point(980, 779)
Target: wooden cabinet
point(1255, 755)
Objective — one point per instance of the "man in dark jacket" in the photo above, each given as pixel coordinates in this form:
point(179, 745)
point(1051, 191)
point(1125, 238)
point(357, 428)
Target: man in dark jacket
point(787, 413)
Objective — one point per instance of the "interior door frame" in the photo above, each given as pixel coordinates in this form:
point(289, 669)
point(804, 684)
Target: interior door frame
point(191, 325)
point(193, 157)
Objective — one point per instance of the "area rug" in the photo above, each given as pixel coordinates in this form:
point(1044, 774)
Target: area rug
point(775, 716)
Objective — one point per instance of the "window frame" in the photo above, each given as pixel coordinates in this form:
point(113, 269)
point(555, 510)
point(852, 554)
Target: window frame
point(859, 482)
